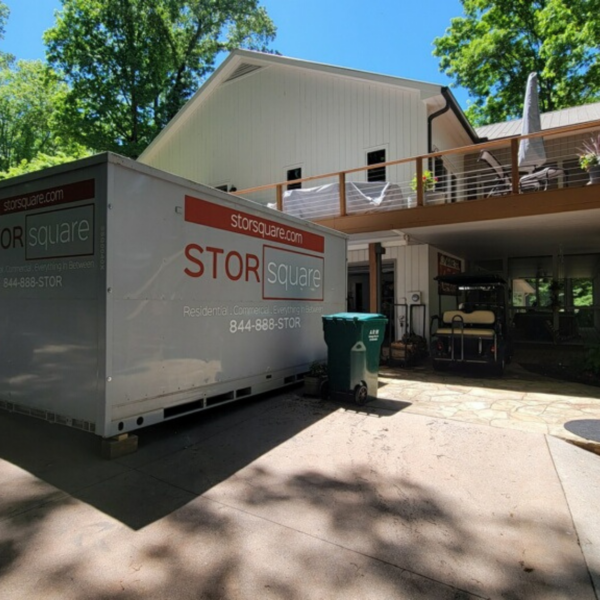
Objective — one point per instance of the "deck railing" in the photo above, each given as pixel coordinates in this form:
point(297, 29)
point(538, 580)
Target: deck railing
point(463, 174)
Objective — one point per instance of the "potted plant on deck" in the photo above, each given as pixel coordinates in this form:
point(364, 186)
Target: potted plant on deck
point(315, 379)
point(589, 158)
point(429, 181)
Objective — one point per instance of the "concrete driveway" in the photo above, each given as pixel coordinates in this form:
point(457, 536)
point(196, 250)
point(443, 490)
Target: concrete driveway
point(289, 497)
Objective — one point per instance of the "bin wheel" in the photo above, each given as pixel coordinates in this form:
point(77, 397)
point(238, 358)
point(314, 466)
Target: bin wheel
point(361, 394)
point(324, 391)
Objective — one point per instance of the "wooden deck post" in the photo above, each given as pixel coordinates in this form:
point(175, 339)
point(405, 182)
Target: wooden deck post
point(514, 164)
point(280, 197)
point(343, 211)
point(375, 252)
point(419, 181)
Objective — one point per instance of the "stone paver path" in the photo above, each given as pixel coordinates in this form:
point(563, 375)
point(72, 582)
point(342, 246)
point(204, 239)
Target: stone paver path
point(519, 400)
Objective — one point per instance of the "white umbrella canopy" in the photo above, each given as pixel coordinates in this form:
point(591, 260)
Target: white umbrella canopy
point(532, 153)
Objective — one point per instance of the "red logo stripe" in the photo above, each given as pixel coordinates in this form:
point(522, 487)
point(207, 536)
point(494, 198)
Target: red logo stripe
point(222, 217)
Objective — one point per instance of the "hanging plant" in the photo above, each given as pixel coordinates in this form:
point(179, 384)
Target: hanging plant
point(555, 288)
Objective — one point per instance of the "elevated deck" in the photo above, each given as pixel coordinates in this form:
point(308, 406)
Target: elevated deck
point(481, 205)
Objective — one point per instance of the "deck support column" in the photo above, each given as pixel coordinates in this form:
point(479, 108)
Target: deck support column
point(376, 250)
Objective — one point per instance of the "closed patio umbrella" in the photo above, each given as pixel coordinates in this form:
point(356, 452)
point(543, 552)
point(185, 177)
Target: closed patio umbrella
point(532, 153)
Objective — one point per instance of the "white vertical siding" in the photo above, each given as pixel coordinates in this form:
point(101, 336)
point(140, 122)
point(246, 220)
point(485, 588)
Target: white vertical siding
point(412, 274)
point(249, 130)
point(444, 137)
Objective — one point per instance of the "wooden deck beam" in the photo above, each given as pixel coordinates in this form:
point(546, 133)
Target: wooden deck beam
point(562, 200)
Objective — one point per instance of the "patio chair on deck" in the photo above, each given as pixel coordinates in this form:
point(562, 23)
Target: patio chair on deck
point(539, 179)
point(502, 184)
point(536, 181)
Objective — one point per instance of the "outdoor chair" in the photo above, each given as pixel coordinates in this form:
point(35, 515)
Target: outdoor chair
point(536, 181)
point(502, 184)
point(539, 179)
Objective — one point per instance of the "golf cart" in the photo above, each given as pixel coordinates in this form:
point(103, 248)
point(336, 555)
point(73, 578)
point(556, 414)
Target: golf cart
point(477, 331)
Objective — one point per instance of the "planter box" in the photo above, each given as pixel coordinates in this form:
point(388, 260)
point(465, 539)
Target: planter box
point(313, 386)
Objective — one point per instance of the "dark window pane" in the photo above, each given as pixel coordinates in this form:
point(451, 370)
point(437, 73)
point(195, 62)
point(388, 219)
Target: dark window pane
point(294, 174)
point(374, 158)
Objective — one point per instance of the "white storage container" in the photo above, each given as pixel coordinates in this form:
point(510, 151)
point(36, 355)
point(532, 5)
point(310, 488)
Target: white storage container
point(129, 296)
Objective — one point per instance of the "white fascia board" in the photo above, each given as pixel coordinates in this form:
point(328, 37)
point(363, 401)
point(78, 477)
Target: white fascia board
point(426, 89)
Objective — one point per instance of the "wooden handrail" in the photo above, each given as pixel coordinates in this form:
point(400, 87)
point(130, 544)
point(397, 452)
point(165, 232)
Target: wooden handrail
point(472, 149)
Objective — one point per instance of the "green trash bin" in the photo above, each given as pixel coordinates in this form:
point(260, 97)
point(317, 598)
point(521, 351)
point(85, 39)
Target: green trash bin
point(353, 349)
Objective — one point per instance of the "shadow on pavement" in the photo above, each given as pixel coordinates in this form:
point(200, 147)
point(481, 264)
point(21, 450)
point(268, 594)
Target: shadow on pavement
point(371, 535)
point(215, 443)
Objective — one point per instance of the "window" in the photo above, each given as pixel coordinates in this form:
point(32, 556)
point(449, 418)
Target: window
point(374, 158)
point(295, 173)
point(226, 188)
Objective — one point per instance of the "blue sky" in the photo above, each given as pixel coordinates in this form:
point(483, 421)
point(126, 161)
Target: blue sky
point(393, 37)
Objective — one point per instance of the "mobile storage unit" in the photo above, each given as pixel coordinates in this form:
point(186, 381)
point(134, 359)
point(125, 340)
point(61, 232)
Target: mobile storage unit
point(129, 296)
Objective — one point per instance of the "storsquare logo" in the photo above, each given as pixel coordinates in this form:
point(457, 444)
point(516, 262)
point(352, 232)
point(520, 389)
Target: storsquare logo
point(57, 233)
point(284, 274)
point(60, 233)
point(291, 275)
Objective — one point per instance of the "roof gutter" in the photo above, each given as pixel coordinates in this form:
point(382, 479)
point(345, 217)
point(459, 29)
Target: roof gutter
point(431, 117)
point(451, 104)
point(460, 115)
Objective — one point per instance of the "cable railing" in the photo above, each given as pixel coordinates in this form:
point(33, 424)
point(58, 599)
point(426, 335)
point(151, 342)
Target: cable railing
point(469, 173)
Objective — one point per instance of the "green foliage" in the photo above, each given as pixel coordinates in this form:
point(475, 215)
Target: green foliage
point(30, 95)
point(43, 161)
point(318, 369)
point(592, 360)
point(493, 47)
point(429, 181)
point(5, 58)
point(583, 292)
point(589, 155)
point(132, 64)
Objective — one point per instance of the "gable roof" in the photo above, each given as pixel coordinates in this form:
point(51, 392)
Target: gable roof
point(555, 118)
point(243, 62)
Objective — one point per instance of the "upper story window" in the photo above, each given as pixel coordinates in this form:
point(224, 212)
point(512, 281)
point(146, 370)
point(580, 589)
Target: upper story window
point(226, 187)
point(374, 158)
point(295, 173)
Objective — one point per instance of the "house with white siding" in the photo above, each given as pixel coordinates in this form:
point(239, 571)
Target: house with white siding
point(263, 118)
point(299, 135)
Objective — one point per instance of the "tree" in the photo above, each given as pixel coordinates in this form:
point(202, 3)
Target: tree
point(5, 58)
point(491, 50)
point(132, 64)
point(30, 98)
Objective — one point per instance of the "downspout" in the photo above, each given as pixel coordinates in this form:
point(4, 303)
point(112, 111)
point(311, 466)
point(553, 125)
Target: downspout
point(430, 119)
point(450, 104)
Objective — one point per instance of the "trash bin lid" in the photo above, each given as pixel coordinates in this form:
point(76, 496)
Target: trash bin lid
point(349, 316)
